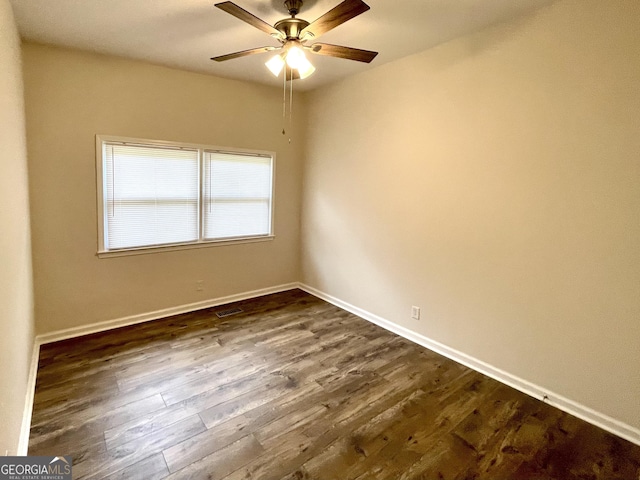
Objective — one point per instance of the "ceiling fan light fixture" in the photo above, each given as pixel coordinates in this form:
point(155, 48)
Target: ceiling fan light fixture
point(303, 66)
point(295, 57)
point(275, 64)
point(306, 69)
point(297, 60)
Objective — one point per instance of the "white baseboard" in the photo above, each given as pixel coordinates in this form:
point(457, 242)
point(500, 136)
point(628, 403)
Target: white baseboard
point(572, 407)
point(25, 429)
point(165, 312)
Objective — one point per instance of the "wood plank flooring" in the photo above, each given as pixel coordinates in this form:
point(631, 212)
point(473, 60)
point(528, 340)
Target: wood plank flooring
point(294, 388)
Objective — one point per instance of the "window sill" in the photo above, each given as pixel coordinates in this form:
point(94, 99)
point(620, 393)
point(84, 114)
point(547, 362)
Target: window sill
point(183, 246)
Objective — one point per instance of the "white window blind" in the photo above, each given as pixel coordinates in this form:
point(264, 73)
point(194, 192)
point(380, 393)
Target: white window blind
point(237, 195)
point(159, 194)
point(151, 196)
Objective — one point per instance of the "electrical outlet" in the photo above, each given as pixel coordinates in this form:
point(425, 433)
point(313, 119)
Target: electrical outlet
point(415, 313)
point(199, 285)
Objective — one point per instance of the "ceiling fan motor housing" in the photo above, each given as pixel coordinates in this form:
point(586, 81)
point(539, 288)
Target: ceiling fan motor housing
point(291, 27)
point(293, 6)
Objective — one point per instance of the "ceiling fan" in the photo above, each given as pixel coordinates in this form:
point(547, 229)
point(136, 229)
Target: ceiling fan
point(293, 34)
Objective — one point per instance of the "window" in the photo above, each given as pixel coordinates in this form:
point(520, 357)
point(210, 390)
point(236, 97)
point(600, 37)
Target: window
point(157, 194)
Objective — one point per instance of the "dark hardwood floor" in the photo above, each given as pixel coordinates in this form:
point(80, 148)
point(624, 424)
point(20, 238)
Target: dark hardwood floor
point(295, 388)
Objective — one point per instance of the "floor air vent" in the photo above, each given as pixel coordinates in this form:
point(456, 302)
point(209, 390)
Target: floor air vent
point(228, 312)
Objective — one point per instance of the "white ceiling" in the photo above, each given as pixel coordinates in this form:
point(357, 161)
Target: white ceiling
point(184, 34)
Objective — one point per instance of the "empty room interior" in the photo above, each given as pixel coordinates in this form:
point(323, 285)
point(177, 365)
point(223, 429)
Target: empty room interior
point(424, 263)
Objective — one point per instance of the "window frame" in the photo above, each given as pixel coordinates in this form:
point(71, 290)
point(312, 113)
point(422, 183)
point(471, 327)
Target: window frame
point(201, 242)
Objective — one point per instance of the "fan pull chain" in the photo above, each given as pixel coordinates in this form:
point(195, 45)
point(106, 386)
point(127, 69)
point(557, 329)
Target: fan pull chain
point(284, 101)
point(291, 104)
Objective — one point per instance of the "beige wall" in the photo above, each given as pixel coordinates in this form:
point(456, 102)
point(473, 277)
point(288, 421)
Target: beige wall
point(16, 302)
point(71, 97)
point(494, 181)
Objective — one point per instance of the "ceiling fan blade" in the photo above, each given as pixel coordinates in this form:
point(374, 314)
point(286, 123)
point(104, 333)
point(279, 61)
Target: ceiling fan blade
point(244, 53)
point(245, 16)
point(336, 16)
point(339, 51)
